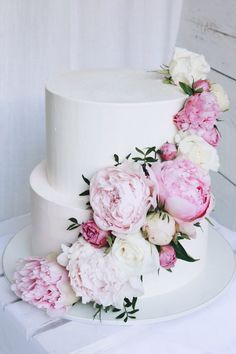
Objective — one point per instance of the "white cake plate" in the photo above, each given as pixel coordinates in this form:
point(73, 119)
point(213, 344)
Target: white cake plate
point(200, 292)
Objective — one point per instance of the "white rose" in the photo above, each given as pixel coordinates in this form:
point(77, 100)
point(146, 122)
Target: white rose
point(159, 228)
point(222, 98)
point(197, 150)
point(135, 255)
point(187, 66)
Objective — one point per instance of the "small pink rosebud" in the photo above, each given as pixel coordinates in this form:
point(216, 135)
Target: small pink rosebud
point(93, 234)
point(167, 257)
point(201, 84)
point(168, 151)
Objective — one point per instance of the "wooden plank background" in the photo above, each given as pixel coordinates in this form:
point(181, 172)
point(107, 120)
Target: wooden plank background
point(209, 27)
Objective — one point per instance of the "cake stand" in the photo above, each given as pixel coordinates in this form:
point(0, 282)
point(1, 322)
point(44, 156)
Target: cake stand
point(211, 283)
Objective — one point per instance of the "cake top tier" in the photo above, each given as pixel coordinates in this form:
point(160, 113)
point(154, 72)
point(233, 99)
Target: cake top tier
point(113, 86)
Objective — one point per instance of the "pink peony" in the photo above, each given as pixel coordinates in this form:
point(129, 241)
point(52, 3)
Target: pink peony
point(168, 151)
point(98, 277)
point(185, 189)
point(167, 257)
point(212, 136)
point(92, 234)
point(120, 197)
point(199, 113)
point(202, 84)
point(44, 284)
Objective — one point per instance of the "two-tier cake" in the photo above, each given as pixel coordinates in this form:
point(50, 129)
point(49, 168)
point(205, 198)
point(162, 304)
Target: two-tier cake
point(119, 205)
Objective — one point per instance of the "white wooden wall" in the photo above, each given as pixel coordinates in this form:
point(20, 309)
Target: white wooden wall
point(209, 27)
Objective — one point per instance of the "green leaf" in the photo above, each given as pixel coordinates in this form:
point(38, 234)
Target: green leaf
point(72, 227)
point(187, 89)
point(140, 151)
point(134, 301)
point(132, 317)
point(116, 158)
point(151, 149)
point(209, 221)
point(120, 316)
point(181, 253)
point(126, 319)
point(74, 220)
point(137, 159)
point(84, 193)
point(86, 180)
point(133, 311)
point(169, 270)
point(127, 302)
point(116, 310)
point(128, 156)
point(150, 159)
point(110, 240)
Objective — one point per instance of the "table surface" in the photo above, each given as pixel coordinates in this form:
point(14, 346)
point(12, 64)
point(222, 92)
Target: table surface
point(27, 330)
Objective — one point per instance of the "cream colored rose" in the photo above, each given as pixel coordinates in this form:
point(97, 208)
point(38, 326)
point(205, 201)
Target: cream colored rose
point(187, 67)
point(197, 150)
point(134, 255)
point(222, 98)
point(159, 228)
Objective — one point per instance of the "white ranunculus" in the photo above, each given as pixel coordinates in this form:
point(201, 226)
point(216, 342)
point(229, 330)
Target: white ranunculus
point(222, 98)
point(187, 66)
point(134, 255)
point(188, 228)
point(197, 150)
point(159, 228)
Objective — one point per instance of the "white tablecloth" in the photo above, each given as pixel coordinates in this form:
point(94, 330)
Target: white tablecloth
point(26, 330)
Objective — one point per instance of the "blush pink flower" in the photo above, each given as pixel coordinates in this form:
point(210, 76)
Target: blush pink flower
point(184, 189)
point(44, 284)
point(120, 197)
point(92, 234)
point(168, 151)
point(97, 277)
point(211, 136)
point(167, 257)
point(199, 113)
point(202, 84)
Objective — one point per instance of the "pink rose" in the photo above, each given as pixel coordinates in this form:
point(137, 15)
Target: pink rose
point(120, 197)
point(202, 84)
point(185, 189)
point(211, 136)
point(168, 151)
point(44, 284)
point(199, 113)
point(92, 234)
point(167, 257)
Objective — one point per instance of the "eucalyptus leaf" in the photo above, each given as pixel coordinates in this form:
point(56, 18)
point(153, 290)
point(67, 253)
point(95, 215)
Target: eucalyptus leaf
point(120, 316)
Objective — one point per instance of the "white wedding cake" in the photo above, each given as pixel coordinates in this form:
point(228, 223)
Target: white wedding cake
point(125, 184)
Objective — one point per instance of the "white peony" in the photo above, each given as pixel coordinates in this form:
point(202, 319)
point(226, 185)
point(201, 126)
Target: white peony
point(97, 277)
point(222, 98)
point(187, 67)
point(134, 255)
point(159, 228)
point(197, 150)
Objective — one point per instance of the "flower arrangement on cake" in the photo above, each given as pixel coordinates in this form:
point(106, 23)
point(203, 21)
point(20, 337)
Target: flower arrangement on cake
point(142, 207)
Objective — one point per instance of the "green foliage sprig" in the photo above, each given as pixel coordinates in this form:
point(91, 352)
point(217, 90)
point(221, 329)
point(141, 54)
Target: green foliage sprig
point(129, 310)
point(148, 155)
point(74, 224)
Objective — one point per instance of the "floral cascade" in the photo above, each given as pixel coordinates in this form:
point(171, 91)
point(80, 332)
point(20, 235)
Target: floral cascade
point(141, 209)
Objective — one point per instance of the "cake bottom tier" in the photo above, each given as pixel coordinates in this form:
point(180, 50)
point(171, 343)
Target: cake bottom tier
point(51, 210)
